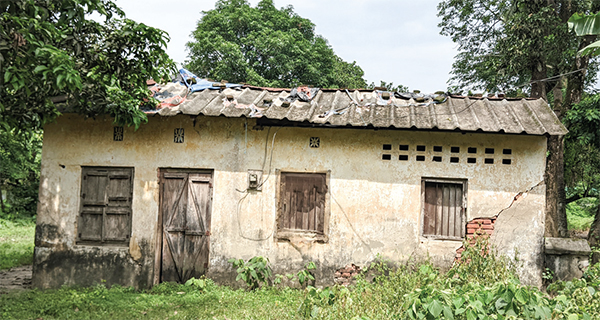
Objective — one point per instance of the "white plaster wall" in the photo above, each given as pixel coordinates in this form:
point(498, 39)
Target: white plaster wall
point(375, 205)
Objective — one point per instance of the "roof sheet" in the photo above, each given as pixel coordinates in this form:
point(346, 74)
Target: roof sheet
point(372, 108)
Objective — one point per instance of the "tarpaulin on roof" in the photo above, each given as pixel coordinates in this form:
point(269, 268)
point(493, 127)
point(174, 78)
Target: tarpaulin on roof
point(195, 83)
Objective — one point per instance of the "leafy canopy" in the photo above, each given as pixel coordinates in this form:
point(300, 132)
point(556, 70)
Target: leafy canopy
point(51, 52)
point(505, 44)
point(266, 46)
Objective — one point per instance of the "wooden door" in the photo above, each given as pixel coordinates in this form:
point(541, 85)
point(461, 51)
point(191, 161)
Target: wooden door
point(186, 204)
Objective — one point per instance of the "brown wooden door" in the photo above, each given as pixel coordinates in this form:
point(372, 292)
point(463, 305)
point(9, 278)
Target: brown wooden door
point(186, 204)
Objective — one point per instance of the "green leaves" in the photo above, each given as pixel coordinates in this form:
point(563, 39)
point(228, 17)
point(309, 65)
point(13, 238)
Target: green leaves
point(266, 46)
point(254, 272)
point(20, 157)
point(52, 49)
point(585, 25)
point(505, 44)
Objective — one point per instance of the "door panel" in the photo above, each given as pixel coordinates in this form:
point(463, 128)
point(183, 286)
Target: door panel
point(186, 199)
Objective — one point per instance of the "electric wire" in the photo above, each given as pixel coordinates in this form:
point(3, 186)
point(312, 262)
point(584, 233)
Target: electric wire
point(240, 201)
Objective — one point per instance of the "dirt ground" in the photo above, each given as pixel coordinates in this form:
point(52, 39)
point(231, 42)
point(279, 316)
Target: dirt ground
point(15, 279)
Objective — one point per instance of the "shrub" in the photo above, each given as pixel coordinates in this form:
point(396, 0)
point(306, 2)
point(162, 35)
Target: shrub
point(254, 272)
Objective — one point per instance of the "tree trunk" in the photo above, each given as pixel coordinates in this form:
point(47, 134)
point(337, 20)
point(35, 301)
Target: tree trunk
point(594, 236)
point(556, 214)
point(538, 87)
point(2, 208)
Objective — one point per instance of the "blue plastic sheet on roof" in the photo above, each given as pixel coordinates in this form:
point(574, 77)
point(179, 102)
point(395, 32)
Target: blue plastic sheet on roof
point(194, 83)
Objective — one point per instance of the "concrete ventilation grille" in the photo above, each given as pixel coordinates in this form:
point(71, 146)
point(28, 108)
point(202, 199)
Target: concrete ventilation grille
point(178, 135)
point(315, 142)
point(118, 134)
point(489, 155)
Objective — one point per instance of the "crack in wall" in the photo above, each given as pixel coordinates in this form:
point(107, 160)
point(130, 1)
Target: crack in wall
point(485, 226)
point(518, 196)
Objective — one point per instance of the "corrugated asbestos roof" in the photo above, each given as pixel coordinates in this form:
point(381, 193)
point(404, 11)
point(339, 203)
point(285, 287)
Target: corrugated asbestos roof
point(378, 109)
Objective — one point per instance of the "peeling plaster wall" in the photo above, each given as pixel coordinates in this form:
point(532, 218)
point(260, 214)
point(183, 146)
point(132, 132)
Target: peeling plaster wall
point(375, 205)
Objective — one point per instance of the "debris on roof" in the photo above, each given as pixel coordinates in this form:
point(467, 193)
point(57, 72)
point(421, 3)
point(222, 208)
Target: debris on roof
point(361, 108)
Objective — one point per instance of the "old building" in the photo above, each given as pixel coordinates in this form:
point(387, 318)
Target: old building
point(330, 176)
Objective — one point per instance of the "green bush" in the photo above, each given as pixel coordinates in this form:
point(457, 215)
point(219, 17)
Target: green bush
point(254, 272)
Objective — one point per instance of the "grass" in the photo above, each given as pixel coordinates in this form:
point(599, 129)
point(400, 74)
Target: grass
point(16, 242)
point(164, 301)
point(580, 214)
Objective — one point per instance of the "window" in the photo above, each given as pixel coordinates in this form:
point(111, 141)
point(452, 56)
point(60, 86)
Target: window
point(303, 205)
point(105, 210)
point(444, 208)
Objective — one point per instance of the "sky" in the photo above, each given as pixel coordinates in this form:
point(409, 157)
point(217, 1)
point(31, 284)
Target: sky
point(391, 40)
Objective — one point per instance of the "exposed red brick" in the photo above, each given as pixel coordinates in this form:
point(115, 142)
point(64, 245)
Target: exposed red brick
point(479, 227)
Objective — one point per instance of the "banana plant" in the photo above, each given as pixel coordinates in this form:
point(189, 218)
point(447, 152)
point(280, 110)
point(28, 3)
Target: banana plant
point(586, 25)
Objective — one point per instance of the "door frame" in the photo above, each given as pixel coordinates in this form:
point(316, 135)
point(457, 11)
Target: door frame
point(159, 224)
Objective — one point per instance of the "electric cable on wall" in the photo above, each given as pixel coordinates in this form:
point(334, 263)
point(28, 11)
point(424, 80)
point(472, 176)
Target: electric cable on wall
point(239, 204)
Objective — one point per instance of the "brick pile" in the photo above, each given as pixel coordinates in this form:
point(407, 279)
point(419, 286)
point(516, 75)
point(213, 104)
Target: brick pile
point(479, 227)
point(344, 275)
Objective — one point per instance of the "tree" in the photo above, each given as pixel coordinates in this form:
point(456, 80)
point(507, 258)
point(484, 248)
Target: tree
point(524, 45)
point(585, 133)
point(266, 46)
point(20, 155)
point(52, 56)
point(51, 52)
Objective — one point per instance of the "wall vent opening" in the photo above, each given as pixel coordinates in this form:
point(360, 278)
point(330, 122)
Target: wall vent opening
point(386, 157)
point(420, 158)
point(314, 142)
point(471, 160)
point(437, 148)
point(472, 150)
point(455, 149)
point(118, 134)
point(403, 157)
point(488, 161)
point(506, 161)
point(489, 150)
point(507, 151)
point(387, 147)
point(437, 159)
point(421, 148)
point(454, 159)
point(403, 147)
point(178, 135)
